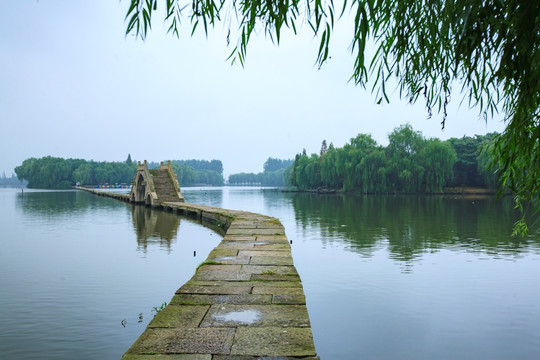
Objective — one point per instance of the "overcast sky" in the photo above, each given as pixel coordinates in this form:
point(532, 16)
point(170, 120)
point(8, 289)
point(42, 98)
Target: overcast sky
point(73, 86)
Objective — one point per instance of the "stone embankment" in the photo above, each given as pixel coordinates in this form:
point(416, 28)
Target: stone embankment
point(244, 302)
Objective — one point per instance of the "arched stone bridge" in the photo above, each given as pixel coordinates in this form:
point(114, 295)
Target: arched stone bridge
point(156, 186)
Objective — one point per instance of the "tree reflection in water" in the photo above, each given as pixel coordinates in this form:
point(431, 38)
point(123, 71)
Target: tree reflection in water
point(412, 225)
point(154, 227)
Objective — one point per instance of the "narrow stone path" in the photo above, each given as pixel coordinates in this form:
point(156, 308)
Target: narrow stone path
point(244, 302)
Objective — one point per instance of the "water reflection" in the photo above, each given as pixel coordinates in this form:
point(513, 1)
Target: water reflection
point(54, 203)
point(151, 227)
point(412, 225)
point(154, 227)
point(68, 259)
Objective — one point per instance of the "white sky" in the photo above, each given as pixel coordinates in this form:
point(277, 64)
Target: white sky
point(72, 85)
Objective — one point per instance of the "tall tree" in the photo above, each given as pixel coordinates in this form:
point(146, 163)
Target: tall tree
point(324, 148)
point(437, 158)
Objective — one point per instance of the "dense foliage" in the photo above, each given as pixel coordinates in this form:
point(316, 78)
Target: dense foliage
point(409, 164)
point(212, 165)
point(273, 174)
point(488, 48)
point(58, 173)
point(196, 172)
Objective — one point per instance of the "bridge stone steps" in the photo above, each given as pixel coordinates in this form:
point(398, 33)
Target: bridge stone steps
point(163, 185)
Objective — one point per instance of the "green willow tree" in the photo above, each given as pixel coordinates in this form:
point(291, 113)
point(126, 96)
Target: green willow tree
point(489, 48)
point(410, 164)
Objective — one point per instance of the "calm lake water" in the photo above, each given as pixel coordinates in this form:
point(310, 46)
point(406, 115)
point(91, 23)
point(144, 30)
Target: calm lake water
point(386, 277)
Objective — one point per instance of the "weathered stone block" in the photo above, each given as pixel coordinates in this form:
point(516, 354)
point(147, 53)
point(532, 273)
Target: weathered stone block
point(184, 340)
point(226, 289)
point(277, 231)
point(211, 276)
point(222, 269)
point(271, 260)
point(267, 341)
point(179, 316)
point(241, 299)
point(229, 237)
point(266, 253)
point(275, 278)
point(269, 269)
point(168, 357)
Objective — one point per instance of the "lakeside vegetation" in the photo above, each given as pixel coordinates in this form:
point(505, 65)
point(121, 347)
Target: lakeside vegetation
point(196, 172)
point(273, 174)
point(57, 173)
point(409, 163)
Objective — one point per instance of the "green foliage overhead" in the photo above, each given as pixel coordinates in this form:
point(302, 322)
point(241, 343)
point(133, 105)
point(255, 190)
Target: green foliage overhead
point(489, 49)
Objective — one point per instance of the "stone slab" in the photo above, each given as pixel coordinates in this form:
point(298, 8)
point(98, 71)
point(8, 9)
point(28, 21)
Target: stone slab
point(266, 253)
point(229, 315)
point(271, 260)
point(211, 276)
point(222, 269)
point(245, 284)
point(271, 290)
point(232, 231)
point(285, 299)
point(241, 299)
point(280, 238)
point(231, 259)
point(169, 357)
point(229, 237)
point(179, 316)
point(269, 341)
point(219, 252)
point(184, 340)
point(242, 357)
point(256, 225)
point(276, 246)
point(269, 269)
point(239, 245)
point(275, 278)
point(227, 289)
point(283, 296)
point(279, 284)
point(267, 240)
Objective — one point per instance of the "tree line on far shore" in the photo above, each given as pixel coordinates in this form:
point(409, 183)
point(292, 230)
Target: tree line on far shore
point(57, 173)
point(273, 174)
point(410, 163)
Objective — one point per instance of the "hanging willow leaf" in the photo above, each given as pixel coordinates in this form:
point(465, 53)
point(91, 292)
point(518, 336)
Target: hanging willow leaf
point(490, 47)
